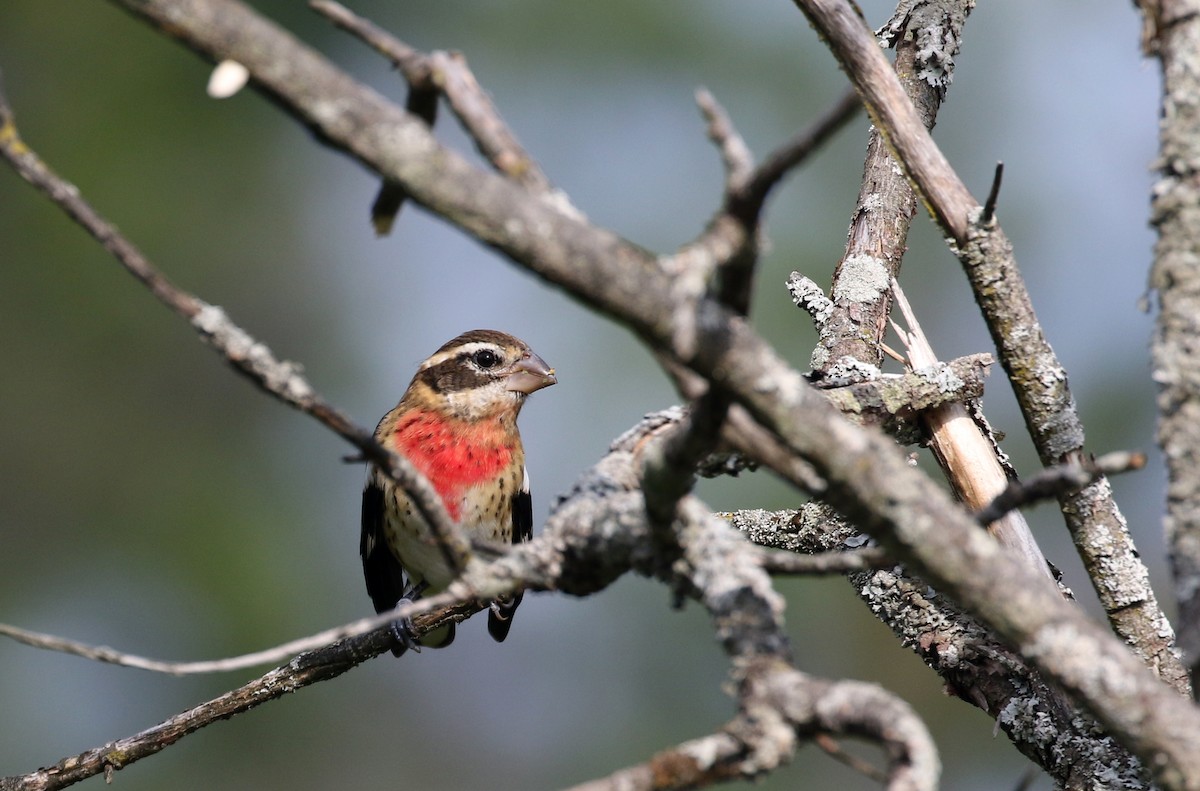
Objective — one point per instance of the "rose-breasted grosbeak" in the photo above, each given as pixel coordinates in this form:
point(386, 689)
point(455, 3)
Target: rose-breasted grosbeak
point(457, 424)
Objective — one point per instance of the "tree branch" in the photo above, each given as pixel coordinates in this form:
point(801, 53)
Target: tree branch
point(851, 332)
point(428, 76)
point(418, 611)
point(1053, 482)
point(1172, 33)
point(306, 669)
point(1039, 380)
point(976, 667)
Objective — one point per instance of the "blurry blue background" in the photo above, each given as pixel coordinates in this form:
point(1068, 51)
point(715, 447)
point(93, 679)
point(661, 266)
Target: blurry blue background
point(153, 501)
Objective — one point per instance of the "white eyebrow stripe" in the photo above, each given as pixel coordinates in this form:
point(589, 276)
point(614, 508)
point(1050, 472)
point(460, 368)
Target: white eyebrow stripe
point(466, 348)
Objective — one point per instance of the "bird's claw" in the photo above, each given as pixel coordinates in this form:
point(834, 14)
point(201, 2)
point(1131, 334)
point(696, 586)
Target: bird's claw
point(405, 637)
point(402, 628)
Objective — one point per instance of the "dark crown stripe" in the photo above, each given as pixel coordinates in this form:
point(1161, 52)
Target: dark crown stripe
point(480, 336)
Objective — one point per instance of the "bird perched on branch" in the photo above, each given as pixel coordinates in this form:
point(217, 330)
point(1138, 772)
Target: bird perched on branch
point(457, 424)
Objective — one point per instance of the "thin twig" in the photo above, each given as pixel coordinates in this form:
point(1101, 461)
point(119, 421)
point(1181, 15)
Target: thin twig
point(304, 670)
point(273, 655)
point(1055, 481)
point(989, 205)
point(735, 154)
point(729, 245)
point(834, 750)
point(412, 64)
point(794, 152)
point(448, 73)
point(860, 559)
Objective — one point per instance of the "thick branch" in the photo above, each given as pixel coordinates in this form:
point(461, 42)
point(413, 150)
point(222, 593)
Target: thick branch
point(976, 667)
point(875, 245)
point(1172, 32)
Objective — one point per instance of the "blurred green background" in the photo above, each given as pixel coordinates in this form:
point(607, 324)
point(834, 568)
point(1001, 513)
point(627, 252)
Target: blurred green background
point(153, 501)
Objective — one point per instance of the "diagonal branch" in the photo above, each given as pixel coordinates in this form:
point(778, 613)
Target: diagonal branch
point(748, 202)
point(851, 334)
point(418, 611)
point(729, 244)
point(447, 74)
point(969, 460)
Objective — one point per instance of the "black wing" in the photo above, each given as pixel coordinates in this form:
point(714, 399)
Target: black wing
point(501, 613)
point(384, 574)
point(522, 513)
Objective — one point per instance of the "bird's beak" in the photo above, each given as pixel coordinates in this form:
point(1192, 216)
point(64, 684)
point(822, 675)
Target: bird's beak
point(530, 374)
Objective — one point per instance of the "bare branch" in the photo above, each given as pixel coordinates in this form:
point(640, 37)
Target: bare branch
point(783, 160)
point(735, 155)
point(809, 706)
point(1172, 33)
point(729, 246)
point(1053, 482)
point(267, 656)
point(975, 666)
point(894, 402)
point(304, 670)
point(834, 750)
point(853, 325)
point(966, 456)
point(447, 73)
point(1039, 380)
point(860, 559)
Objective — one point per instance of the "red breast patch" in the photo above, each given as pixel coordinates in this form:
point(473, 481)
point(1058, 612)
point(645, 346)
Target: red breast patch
point(454, 455)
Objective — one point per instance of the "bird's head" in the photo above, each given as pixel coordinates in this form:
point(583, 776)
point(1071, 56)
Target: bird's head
point(482, 373)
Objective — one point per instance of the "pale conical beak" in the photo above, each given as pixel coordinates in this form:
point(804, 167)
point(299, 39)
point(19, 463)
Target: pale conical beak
point(530, 374)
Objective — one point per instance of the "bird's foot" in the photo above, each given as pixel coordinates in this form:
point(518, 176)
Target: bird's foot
point(404, 636)
point(402, 628)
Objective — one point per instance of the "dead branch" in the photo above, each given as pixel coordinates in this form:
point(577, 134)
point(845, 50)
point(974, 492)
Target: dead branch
point(429, 76)
point(1171, 32)
point(976, 667)
point(1039, 380)
point(1052, 482)
point(968, 458)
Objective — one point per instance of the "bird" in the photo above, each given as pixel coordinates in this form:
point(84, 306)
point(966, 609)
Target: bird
point(456, 424)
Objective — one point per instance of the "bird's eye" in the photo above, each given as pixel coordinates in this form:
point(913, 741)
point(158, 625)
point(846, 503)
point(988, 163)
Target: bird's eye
point(485, 358)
